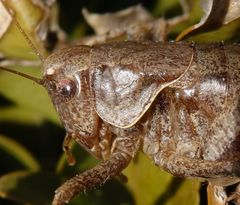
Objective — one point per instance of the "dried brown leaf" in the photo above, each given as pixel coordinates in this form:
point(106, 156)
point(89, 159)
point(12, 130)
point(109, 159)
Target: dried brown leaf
point(103, 23)
point(216, 14)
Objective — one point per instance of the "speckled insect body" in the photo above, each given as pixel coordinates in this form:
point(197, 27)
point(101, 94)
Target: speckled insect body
point(177, 102)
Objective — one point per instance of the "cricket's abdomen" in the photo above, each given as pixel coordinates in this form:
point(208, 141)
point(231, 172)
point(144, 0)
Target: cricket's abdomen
point(194, 128)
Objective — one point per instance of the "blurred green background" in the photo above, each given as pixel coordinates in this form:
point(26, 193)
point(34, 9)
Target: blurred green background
point(32, 164)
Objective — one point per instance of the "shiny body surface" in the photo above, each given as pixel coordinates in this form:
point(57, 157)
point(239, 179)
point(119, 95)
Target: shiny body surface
point(178, 102)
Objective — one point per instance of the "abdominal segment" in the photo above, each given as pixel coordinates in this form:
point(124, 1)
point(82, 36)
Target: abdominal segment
point(195, 131)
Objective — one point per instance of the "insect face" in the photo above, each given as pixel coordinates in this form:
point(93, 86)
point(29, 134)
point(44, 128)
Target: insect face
point(66, 80)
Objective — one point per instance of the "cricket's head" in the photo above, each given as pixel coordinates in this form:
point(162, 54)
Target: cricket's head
point(66, 78)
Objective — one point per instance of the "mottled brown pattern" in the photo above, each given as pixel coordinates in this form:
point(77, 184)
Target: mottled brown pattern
point(124, 149)
point(179, 101)
point(127, 79)
point(91, 178)
point(195, 128)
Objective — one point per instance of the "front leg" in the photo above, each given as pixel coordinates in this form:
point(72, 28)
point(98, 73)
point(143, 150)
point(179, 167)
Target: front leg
point(91, 178)
point(124, 149)
point(66, 148)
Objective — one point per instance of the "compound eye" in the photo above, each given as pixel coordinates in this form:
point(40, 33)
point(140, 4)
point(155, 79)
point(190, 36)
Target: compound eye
point(66, 88)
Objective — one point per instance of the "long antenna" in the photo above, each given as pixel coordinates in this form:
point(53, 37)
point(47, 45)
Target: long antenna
point(26, 37)
point(36, 80)
point(33, 47)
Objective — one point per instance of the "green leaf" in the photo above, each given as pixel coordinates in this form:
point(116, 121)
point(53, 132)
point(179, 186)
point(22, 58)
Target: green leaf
point(20, 114)
point(27, 95)
point(195, 15)
point(30, 16)
point(219, 22)
point(226, 32)
point(152, 186)
point(29, 188)
point(164, 5)
point(18, 152)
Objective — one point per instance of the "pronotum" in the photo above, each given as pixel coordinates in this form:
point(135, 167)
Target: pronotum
point(178, 102)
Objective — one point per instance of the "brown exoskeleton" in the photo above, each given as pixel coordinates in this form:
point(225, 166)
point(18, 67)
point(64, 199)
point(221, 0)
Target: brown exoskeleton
point(178, 102)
